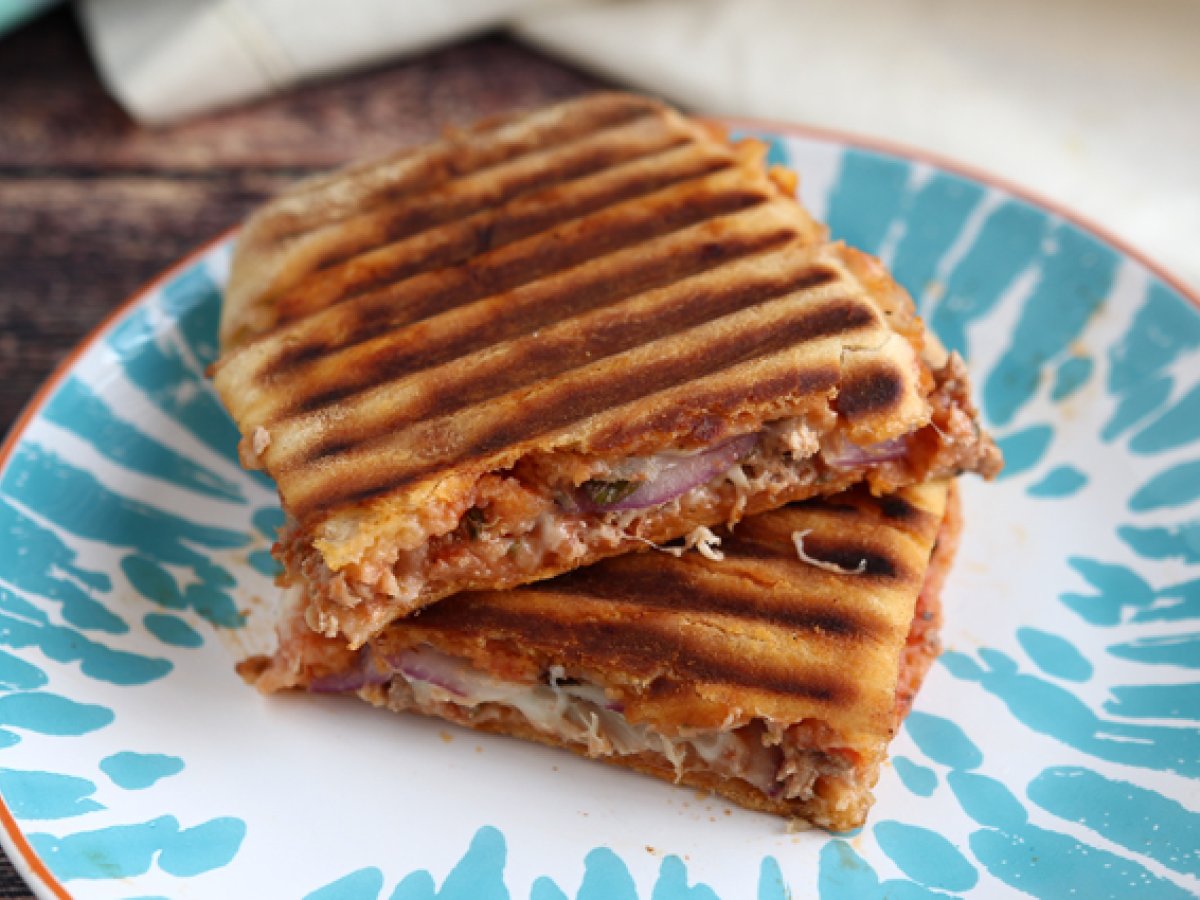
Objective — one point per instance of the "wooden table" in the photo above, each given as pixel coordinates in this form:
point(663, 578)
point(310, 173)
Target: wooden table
point(92, 205)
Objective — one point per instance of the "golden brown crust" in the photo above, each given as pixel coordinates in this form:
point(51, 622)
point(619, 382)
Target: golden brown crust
point(327, 218)
point(602, 277)
point(923, 643)
point(360, 614)
point(684, 641)
point(689, 644)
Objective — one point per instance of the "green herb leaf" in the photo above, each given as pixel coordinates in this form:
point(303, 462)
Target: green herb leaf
point(605, 493)
point(474, 522)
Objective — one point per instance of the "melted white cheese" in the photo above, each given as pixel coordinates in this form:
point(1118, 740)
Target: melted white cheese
point(582, 714)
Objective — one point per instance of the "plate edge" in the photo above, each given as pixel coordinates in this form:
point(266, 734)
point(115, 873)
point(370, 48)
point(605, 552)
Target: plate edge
point(25, 860)
point(12, 837)
point(975, 173)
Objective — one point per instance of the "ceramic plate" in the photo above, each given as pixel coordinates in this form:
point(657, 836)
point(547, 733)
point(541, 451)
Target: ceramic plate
point(1055, 749)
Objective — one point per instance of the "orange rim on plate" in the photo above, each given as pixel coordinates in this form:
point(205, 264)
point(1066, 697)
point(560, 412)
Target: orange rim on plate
point(15, 836)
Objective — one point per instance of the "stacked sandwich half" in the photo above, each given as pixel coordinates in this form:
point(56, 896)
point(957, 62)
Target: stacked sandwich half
point(587, 434)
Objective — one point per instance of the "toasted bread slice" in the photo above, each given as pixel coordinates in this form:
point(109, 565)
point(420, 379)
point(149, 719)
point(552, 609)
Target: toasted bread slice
point(775, 676)
point(558, 338)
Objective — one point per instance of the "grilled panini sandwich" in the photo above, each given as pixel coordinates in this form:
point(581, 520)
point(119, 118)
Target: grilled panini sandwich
point(775, 677)
point(557, 338)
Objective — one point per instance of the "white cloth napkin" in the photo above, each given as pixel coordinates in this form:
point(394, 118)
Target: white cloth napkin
point(168, 59)
point(1092, 103)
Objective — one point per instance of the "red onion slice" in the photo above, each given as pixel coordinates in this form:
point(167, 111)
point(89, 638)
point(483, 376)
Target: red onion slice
point(337, 683)
point(427, 665)
point(677, 476)
point(365, 672)
point(847, 455)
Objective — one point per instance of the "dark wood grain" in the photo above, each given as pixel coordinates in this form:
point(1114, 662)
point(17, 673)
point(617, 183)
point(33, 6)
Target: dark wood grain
point(93, 205)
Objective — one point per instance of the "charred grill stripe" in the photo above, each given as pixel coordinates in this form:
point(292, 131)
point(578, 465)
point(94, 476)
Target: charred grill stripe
point(896, 508)
point(677, 589)
point(605, 288)
point(470, 152)
point(573, 403)
point(462, 239)
point(582, 400)
point(706, 413)
point(871, 391)
point(849, 502)
point(824, 507)
point(552, 356)
point(483, 277)
point(846, 554)
point(438, 208)
point(633, 645)
point(587, 115)
point(769, 548)
point(850, 557)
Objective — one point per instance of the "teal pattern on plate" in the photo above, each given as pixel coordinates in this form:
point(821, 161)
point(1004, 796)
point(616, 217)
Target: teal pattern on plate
point(134, 538)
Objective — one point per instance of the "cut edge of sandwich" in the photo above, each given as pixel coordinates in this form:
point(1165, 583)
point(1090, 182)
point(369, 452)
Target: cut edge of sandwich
point(770, 367)
point(805, 770)
point(550, 512)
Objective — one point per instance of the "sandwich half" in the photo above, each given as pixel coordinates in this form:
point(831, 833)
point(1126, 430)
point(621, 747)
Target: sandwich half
point(557, 338)
point(775, 677)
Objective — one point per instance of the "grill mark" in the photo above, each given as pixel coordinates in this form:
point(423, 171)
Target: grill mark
point(898, 509)
point(669, 587)
point(859, 502)
point(845, 554)
point(851, 556)
point(633, 646)
point(471, 152)
point(481, 278)
point(466, 159)
point(709, 415)
point(760, 548)
point(580, 401)
point(576, 402)
point(824, 506)
point(416, 217)
point(872, 391)
point(467, 238)
point(707, 425)
point(604, 288)
point(555, 354)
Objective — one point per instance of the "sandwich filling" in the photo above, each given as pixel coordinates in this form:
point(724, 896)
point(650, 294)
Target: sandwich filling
point(573, 712)
point(533, 345)
point(788, 763)
point(806, 767)
point(553, 512)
